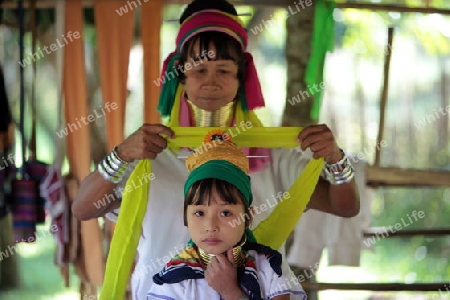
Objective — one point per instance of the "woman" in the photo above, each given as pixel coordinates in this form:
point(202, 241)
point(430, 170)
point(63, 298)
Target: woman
point(219, 88)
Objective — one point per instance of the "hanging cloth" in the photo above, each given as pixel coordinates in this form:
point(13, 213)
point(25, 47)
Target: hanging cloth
point(28, 205)
point(52, 187)
point(322, 42)
point(35, 169)
point(23, 189)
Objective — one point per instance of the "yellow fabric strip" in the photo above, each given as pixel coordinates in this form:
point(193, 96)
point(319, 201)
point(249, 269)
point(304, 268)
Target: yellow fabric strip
point(255, 137)
point(126, 235)
point(275, 230)
point(272, 232)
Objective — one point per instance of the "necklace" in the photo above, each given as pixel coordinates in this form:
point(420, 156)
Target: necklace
point(238, 254)
point(218, 118)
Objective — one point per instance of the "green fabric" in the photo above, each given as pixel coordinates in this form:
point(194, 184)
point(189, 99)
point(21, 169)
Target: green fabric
point(322, 42)
point(244, 100)
point(169, 88)
point(223, 170)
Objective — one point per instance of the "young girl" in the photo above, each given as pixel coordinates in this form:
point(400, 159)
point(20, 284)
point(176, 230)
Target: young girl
point(222, 260)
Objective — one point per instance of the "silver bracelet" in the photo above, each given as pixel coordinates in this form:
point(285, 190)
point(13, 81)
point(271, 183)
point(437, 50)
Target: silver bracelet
point(341, 172)
point(112, 167)
point(116, 174)
point(114, 178)
point(116, 156)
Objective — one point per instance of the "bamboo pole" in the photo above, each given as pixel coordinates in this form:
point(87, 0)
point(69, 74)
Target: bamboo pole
point(444, 121)
point(384, 93)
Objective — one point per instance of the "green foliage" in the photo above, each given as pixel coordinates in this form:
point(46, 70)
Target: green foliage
point(41, 279)
point(426, 39)
point(431, 32)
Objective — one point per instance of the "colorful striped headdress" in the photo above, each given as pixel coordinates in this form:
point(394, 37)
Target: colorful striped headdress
point(206, 21)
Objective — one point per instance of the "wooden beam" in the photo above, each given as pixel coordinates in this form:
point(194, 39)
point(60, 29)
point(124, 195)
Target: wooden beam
point(261, 3)
point(395, 8)
point(89, 3)
point(424, 287)
point(383, 231)
point(40, 4)
point(391, 176)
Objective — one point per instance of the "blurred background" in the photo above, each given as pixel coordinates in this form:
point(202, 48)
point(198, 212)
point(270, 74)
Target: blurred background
point(419, 86)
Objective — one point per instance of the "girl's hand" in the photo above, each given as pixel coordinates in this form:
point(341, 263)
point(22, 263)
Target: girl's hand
point(221, 275)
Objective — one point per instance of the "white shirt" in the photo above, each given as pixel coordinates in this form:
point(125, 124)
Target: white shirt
point(163, 231)
point(198, 289)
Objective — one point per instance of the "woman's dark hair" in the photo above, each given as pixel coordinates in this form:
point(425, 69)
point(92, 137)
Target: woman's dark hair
point(200, 194)
point(198, 5)
point(226, 46)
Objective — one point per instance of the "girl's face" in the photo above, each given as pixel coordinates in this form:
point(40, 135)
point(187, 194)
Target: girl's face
point(210, 84)
point(217, 226)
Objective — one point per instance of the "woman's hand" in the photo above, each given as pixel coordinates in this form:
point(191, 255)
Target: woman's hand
point(146, 142)
point(221, 275)
point(321, 141)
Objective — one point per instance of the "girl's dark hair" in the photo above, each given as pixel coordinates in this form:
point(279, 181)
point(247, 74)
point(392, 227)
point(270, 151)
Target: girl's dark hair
point(200, 194)
point(226, 46)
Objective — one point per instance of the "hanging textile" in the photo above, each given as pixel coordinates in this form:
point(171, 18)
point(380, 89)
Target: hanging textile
point(53, 186)
point(28, 206)
point(114, 56)
point(24, 191)
point(35, 169)
point(151, 23)
point(322, 42)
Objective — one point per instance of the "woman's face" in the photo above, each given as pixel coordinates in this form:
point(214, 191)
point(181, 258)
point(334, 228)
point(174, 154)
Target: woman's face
point(210, 84)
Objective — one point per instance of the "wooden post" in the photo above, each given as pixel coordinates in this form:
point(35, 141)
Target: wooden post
point(9, 265)
point(152, 13)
